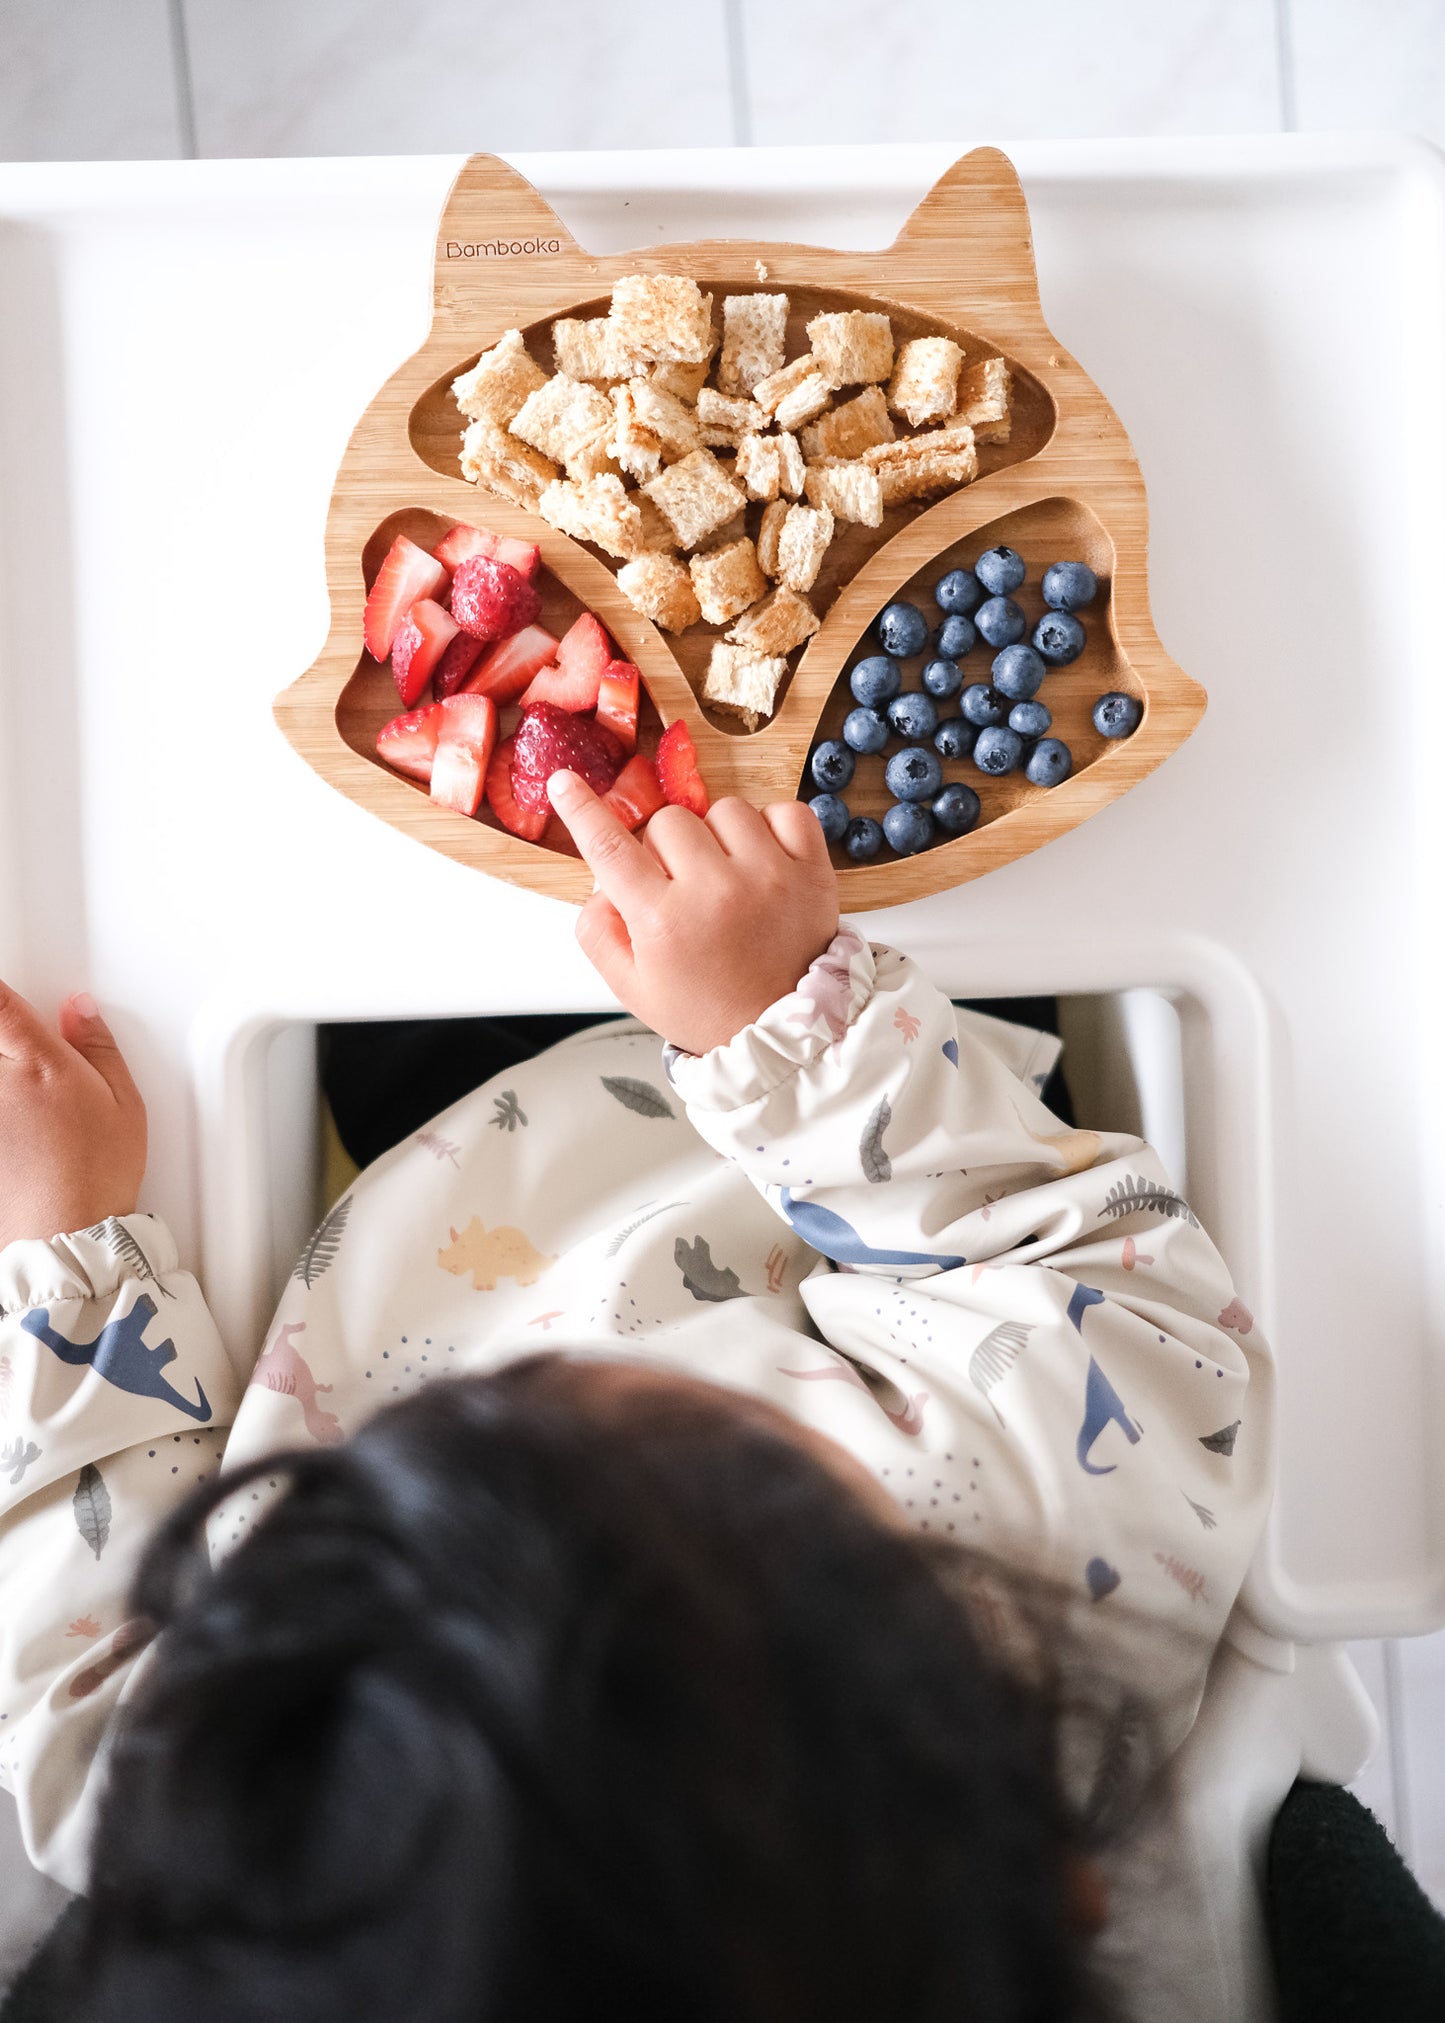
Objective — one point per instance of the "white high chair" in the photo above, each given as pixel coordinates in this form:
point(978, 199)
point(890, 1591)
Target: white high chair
point(1250, 940)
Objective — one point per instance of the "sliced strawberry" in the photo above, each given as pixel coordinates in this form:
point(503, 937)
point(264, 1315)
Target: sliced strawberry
point(677, 769)
point(550, 740)
point(636, 793)
point(585, 648)
point(463, 542)
point(409, 742)
point(492, 600)
point(407, 574)
point(464, 750)
point(510, 666)
point(573, 689)
point(618, 693)
point(526, 823)
point(421, 639)
point(451, 671)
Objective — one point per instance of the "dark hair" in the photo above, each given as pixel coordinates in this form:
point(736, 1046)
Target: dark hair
point(539, 1700)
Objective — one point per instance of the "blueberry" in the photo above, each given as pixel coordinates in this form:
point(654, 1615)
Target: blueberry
point(908, 827)
point(865, 730)
point(876, 680)
point(956, 809)
point(955, 637)
point(954, 737)
point(1000, 622)
point(1059, 637)
point(983, 705)
point(1029, 719)
point(998, 750)
point(1048, 763)
point(864, 838)
point(914, 774)
point(1000, 571)
point(942, 678)
point(832, 814)
point(832, 766)
point(902, 631)
point(1069, 586)
point(1018, 673)
point(958, 592)
point(1116, 714)
point(913, 715)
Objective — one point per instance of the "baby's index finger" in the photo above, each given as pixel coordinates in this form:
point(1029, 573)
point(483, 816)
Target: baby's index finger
point(625, 871)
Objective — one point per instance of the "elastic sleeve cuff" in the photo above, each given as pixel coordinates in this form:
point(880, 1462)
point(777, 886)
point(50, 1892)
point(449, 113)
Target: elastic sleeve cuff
point(85, 1265)
point(790, 1035)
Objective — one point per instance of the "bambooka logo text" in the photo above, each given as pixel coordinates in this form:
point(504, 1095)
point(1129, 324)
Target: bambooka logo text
point(496, 249)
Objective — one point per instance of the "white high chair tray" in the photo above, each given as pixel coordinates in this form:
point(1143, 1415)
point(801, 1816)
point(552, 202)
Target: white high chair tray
point(184, 348)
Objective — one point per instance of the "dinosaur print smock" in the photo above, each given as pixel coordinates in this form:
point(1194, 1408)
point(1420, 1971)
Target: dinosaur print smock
point(858, 1209)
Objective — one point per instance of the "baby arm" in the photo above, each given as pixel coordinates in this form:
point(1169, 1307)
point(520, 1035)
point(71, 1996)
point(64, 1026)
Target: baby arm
point(114, 1394)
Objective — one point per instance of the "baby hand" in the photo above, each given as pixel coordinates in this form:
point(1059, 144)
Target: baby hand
point(72, 1124)
point(701, 924)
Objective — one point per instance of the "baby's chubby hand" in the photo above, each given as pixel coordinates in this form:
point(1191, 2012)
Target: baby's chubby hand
point(72, 1124)
point(699, 925)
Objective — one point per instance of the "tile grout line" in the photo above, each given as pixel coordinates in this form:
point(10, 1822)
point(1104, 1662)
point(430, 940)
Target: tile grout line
point(182, 79)
point(738, 94)
point(1284, 67)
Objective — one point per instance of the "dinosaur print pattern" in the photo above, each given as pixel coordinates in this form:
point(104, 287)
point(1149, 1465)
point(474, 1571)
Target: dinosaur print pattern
point(121, 1356)
point(835, 1237)
point(1103, 1407)
point(492, 1254)
point(284, 1369)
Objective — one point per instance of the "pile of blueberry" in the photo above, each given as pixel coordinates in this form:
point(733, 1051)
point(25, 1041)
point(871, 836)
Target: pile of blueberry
point(999, 724)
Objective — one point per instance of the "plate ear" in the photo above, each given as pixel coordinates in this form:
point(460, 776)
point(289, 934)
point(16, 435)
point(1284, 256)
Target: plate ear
point(971, 233)
point(491, 216)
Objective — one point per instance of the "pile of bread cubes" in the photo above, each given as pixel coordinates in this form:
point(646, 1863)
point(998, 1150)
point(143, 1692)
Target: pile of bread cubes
point(629, 446)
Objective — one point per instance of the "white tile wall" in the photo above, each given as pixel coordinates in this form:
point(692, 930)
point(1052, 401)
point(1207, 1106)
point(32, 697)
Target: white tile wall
point(111, 79)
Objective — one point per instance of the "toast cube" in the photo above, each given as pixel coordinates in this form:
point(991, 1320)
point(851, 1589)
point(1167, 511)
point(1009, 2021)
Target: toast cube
point(662, 316)
point(850, 429)
point(781, 622)
point(770, 535)
point(984, 392)
point(597, 510)
point(587, 348)
point(721, 410)
point(493, 457)
point(660, 587)
point(791, 466)
point(758, 466)
point(925, 380)
point(794, 395)
point(852, 347)
point(657, 534)
point(742, 683)
point(806, 532)
point(850, 491)
point(683, 382)
point(651, 428)
point(727, 580)
point(697, 496)
point(755, 335)
point(562, 417)
point(938, 460)
point(500, 380)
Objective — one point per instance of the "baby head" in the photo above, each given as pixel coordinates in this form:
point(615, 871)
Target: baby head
point(577, 1690)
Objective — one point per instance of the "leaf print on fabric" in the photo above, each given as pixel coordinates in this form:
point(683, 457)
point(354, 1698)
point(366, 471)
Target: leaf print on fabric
point(1125, 1761)
point(907, 1024)
point(1223, 1441)
point(91, 1504)
point(439, 1147)
point(1187, 1577)
point(1102, 1579)
point(1131, 1196)
point(950, 1051)
point(623, 1233)
point(325, 1241)
point(639, 1096)
point(120, 1243)
point(704, 1279)
point(877, 1166)
point(1206, 1517)
point(17, 1457)
point(509, 1112)
point(995, 1356)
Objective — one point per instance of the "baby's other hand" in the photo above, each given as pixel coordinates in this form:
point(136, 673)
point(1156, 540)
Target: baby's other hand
point(72, 1124)
point(700, 924)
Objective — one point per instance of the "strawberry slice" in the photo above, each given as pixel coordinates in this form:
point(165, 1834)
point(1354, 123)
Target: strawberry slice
point(407, 574)
point(464, 750)
point(526, 823)
point(677, 769)
point(463, 542)
point(585, 648)
point(510, 666)
point(451, 671)
point(421, 639)
point(618, 693)
point(409, 742)
point(492, 600)
point(550, 740)
point(574, 689)
point(636, 793)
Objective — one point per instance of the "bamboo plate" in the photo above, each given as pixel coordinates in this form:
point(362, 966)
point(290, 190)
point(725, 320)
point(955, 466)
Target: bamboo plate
point(1066, 485)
